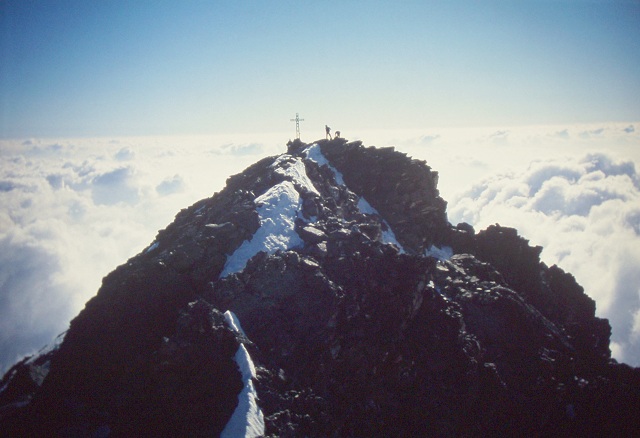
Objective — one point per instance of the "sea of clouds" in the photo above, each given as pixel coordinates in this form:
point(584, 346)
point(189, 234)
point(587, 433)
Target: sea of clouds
point(71, 210)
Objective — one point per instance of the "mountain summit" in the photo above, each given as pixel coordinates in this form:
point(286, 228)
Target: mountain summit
point(323, 292)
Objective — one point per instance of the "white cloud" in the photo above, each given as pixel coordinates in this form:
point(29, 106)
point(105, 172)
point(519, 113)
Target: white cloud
point(115, 186)
point(125, 154)
point(33, 304)
point(562, 134)
point(171, 185)
point(241, 149)
point(592, 133)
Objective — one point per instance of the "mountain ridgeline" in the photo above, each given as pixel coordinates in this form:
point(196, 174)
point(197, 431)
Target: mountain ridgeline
point(323, 292)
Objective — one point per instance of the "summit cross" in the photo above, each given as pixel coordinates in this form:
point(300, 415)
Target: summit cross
point(297, 120)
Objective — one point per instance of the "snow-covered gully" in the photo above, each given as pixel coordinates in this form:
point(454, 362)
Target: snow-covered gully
point(247, 420)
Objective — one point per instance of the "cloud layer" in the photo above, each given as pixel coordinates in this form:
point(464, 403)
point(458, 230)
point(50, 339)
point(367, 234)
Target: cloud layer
point(72, 210)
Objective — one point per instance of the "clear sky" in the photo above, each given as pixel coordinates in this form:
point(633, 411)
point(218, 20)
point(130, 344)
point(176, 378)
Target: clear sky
point(107, 68)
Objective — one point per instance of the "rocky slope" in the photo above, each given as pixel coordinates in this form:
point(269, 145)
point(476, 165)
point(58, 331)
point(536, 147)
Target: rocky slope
point(324, 293)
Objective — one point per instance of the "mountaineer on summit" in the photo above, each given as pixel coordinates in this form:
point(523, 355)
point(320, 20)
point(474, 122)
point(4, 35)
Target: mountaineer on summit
point(328, 130)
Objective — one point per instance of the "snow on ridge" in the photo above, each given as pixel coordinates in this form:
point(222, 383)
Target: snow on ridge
point(365, 207)
point(296, 171)
point(38, 373)
point(234, 322)
point(151, 247)
point(247, 420)
point(279, 207)
point(443, 254)
point(388, 236)
point(277, 210)
point(314, 153)
point(53, 346)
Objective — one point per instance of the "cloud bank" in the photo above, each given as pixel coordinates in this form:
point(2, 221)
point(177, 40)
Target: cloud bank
point(72, 210)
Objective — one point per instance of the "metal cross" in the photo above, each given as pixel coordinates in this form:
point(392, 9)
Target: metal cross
point(297, 120)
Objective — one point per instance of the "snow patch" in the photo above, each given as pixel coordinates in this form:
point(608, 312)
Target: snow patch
point(365, 207)
point(247, 420)
point(153, 246)
point(37, 372)
point(234, 322)
point(277, 210)
point(55, 345)
point(388, 236)
point(314, 153)
point(296, 171)
point(443, 254)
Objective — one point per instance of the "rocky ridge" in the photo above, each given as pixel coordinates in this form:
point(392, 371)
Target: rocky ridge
point(363, 312)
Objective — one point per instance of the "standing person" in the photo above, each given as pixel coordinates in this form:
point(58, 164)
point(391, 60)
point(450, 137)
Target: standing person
point(326, 128)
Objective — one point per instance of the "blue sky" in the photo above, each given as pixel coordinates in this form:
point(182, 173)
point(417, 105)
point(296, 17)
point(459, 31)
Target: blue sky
point(93, 68)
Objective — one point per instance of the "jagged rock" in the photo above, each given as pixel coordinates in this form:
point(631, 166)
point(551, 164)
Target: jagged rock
point(311, 234)
point(358, 310)
point(402, 189)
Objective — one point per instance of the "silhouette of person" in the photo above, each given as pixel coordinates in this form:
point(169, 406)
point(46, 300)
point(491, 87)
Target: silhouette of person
point(337, 134)
point(326, 128)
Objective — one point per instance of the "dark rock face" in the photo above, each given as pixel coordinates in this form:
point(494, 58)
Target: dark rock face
point(403, 190)
point(356, 325)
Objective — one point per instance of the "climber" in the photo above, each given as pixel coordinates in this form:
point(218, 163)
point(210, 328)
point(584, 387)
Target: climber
point(326, 128)
point(337, 134)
